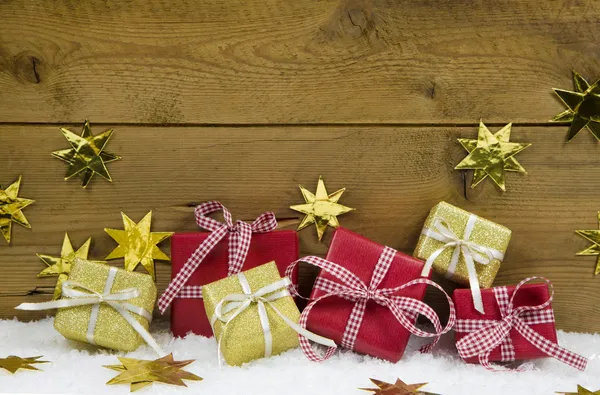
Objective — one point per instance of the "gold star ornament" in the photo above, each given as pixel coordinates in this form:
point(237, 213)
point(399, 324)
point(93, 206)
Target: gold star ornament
point(491, 154)
point(583, 107)
point(137, 244)
point(321, 208)
point(10, 209)
point(397, 388)
point(581, 391)
point(61, 266)
point(593, 236)
point(86, 155)
point(13, 363)
point(141, 373)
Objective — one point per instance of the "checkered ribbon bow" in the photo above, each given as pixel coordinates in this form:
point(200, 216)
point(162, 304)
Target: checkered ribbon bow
point(240, 235)
point(485, 335)
point(352, 288)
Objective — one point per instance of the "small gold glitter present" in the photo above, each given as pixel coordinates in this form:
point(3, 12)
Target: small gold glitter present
point(111, 329)
point(244, 341)
point(486, 234)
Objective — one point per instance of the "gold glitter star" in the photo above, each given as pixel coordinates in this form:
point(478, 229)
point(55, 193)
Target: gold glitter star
point(321, 208)
point(593, 236)
point(137, 244)
point(86, 154)
point(141, 373)
point(398, 388)
point(13, 363)
point(61, 266)
point(583, 107)
point(492, 155)
point(10, 208)
point(581, 391)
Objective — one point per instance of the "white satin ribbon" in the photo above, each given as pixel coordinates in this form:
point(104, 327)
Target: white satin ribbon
point(74, 297)
point(234, 304)
point(471, 251)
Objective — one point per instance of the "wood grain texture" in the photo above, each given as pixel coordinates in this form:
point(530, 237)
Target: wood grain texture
point(393, 177)
point(279, 61)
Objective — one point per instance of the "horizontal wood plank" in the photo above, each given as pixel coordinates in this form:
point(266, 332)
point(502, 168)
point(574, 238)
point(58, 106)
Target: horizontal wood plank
point(279, 61)
point(393, 177)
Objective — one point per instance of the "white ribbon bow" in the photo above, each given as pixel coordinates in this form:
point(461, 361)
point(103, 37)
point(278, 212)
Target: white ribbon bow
point(471, 251)
point(234, 304)
point(116, 300)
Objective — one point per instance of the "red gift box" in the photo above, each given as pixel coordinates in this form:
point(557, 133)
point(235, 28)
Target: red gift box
point(380, 334)
point(528, 295)
point(187, 314)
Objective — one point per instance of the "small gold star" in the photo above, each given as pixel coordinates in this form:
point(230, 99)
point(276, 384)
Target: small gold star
point(10, 209)
point(86, 154)
point(581, 391)
point(583, 107)
point(397, 388)
point(593, 236)
point(137, 244)
point(321, 208)
point(13, 363)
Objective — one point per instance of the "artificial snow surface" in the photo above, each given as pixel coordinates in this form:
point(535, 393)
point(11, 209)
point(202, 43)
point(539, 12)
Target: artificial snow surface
point(77, 369)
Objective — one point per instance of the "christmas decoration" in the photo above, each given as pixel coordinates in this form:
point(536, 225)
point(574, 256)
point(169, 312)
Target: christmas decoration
point(201, 258)
point(141, 373)
point(97, 306)
point(581, 391)
point(583, 107)
point(137, 244)
point(13, 363)
point(10, 208)
point(86, 154)
point(593, 236)
point(61, 266)
point(397, 388)
point(375, 319)
point(491, 155)
point(321, 208)
point(254, 316)
point(462, 246)
point(518, 324)
point(510, 164)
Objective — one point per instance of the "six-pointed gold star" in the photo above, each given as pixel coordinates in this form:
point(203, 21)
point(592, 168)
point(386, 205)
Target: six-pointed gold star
point(581, 391)
point(86, 154)
point(141, 373)
point(583, 107)
point(10, 208)
point(137, 244)
point(492, 155)
point(61, 266)
point(321, 208)
point(592, 235)
point(397, 388)
point(13, 363)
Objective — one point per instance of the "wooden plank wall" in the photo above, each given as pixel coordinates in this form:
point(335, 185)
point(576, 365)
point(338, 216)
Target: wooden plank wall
point(242, 100)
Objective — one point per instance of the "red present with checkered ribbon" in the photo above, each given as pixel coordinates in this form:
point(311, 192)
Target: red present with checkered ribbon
point(217, 259)
point(378, 332)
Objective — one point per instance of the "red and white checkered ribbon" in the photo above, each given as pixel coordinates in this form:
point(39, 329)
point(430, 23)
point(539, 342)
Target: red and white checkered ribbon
point(240, 235)
point(485, 335)
point(352, 288)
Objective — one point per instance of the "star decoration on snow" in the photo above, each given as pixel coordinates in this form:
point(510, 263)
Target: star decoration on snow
point(137, 244)
point(10, 208)
point(492, 155)
point(583, 107)
point(61, 266)
point(141, 373)
point(593, 236)
point(581, 391)
point(321, 208)
point(397, 388)
point(13, 363)
point(86, 154)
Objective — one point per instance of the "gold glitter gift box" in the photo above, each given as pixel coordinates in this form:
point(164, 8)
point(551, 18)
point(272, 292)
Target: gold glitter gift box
point(111, 330)
point(484, 239)
point(244, 338)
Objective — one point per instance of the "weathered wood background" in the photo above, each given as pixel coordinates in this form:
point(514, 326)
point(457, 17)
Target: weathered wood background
point(241, 100)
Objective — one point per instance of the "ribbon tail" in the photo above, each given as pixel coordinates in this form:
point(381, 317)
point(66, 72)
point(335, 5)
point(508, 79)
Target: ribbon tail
point(138, 328)
point(429, 262)
point(473, 280)
point(303, 331)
